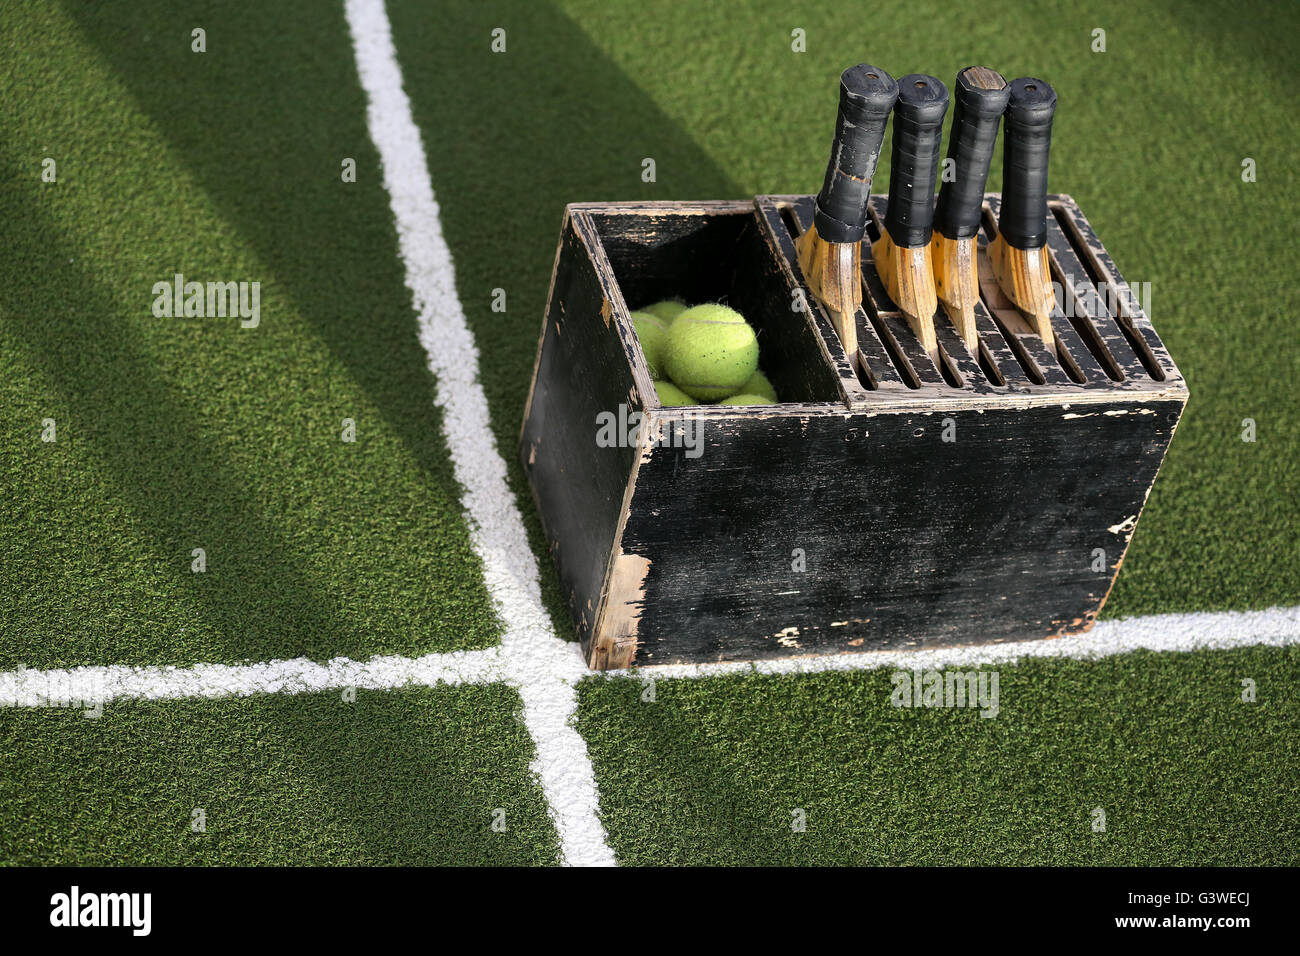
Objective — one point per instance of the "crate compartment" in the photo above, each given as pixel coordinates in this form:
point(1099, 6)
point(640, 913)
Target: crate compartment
point(1097, 347)
point(590, 367)
point(715, 252)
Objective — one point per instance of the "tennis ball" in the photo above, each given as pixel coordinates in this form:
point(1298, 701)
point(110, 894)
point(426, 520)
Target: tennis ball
point(667, 310)
point(743, 399)
point(759, 385)
point(711, 352)
point(670, 394)
point(653, 333)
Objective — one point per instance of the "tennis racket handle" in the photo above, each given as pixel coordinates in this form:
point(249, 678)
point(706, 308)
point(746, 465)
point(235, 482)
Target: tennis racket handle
point(979, 99)
point(867, 94)
point(918, 129)
point(1023, 222)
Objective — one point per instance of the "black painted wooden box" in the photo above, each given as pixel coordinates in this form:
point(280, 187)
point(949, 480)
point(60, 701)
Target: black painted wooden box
point(909, 505)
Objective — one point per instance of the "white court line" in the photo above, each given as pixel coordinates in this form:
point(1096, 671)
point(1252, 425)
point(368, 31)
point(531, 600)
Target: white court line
point(542, 667)
point(36, 688)
point(1203, 630)
point(1166, 633)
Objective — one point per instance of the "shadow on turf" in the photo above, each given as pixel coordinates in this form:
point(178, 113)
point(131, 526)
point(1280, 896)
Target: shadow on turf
point(510, 138)
point(265, 143)
point(130, 415)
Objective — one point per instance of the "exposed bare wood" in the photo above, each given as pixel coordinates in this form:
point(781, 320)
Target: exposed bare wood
point(833, 271)
point(957, 285)
point(908, 275)
point(984, 78)
point(1024, 277)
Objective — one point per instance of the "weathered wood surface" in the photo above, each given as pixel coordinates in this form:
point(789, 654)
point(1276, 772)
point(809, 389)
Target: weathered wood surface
point(1099, 264)
point(908, 539)
point(582, 370)
point(1005, 337)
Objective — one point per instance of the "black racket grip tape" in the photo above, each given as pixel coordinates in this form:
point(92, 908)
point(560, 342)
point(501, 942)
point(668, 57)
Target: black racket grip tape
point(980, 97)
point(1025, 152)
point(867, 94)
point(918, 129)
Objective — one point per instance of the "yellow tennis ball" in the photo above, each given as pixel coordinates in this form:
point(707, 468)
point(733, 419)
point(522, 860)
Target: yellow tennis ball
point(667, 310)
point(670, 394)
point(743, 399)
point(653, 333)
point(712, 352)
point(759, 385)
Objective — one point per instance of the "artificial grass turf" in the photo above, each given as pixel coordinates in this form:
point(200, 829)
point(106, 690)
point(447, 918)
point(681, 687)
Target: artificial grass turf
point(410, 776)
point(183, 433)
point(227, 166)
point(713, 93)
point(1185, 771)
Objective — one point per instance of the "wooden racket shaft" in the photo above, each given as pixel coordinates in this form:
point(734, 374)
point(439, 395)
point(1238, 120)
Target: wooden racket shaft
point(902, 253)
point(1018, 255)
point(980, 97)
point(830, 251)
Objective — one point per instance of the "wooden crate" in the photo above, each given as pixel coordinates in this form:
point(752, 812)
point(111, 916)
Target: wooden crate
point(989, 499)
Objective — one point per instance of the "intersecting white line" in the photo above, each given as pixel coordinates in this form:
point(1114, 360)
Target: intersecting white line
point(543, 668)
point(1166, 633)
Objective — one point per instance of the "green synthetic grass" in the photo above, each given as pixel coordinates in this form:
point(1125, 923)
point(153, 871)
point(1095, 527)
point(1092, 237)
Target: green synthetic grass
point(1186, 773)
point(175, 434)
point(184, 433)
point(1149, 138)
point(397, 777)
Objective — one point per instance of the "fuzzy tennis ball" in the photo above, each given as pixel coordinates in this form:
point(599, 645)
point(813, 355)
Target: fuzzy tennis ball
point(667, 310)
point(670, 394)
point(653, 333)
point(743, 399)
point(759, 385)
point(711, 352)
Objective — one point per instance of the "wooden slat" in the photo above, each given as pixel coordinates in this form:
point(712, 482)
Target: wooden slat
point(890, 322)
point(966, 366)
point(892, 328)
point(1028, 346)
point(1130, 310)
point(1082, 358)
point(1009, 320)
point(1088, 305)
point(994, 342)
point(996, 349)
point(875, 357)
